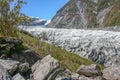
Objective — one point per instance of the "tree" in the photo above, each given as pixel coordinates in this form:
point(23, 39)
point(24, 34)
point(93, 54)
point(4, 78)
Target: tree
point(10, 16)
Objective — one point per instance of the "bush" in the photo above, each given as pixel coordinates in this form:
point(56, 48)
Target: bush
point(10, 17)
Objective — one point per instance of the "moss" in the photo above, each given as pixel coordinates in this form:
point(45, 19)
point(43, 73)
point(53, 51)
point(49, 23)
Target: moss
point(67, 59)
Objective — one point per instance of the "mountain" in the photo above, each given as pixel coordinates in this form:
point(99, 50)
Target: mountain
point(87, 14)
point(38, 22)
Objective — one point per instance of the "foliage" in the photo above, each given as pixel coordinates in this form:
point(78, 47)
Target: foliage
point(10, 17)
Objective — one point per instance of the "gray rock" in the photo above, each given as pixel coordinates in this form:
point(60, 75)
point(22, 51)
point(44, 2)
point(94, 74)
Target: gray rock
point(112, 73)
point(10, 65)
point(64, 75)
point(54, 74)
point(24, 67)
point(75, 76)
point(18, 77)
point(43, 68)
point(4, 74)
point(90, 71)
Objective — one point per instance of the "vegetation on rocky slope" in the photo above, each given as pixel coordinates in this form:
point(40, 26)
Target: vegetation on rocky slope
point(11, 17)
point(113, 17)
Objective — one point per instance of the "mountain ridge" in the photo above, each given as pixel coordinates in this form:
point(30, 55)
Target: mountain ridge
point(87, 14)
point(36, 21)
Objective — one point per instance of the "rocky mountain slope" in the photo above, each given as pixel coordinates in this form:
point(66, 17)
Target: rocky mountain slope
point(87, 14)
point(99, 46)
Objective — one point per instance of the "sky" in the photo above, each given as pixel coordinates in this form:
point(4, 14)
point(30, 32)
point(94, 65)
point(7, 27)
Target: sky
point(44, 9)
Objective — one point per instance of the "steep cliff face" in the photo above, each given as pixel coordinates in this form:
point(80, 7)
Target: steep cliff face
point(87, 14)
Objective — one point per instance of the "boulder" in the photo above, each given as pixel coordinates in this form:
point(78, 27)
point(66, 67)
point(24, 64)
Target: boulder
point(92, 70)
point(4, 74)
point(10, 65)
point(112, 73)
point(75, 76)
point(54, 74)
point(18, 77)
point(43, 68)
point(64, 75)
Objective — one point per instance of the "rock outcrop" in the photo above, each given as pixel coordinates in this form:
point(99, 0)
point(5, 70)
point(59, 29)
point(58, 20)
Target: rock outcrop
point(4, 74)
point(44, 68)
point(10, 65)
point(87, 14)
point(15, 59)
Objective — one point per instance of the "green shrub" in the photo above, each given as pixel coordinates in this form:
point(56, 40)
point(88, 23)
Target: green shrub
point(10, 17)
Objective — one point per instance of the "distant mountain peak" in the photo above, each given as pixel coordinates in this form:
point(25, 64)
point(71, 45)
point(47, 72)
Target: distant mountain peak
point(36, 21)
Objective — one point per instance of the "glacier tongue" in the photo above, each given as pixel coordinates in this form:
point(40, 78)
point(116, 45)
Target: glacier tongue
point(100, 46)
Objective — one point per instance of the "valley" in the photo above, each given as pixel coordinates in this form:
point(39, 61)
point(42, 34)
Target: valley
point(80, 42)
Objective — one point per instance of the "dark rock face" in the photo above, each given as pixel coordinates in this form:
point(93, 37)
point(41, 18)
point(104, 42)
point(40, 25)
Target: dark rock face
point(86, 14)
point(27, 55)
